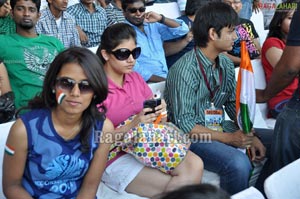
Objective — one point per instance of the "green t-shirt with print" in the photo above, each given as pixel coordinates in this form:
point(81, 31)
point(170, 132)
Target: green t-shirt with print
point(27, 61)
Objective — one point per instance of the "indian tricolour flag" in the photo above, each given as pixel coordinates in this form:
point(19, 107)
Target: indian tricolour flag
point(245, 92)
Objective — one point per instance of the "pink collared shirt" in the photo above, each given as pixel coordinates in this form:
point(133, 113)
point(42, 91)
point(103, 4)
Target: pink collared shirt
point(122, 102)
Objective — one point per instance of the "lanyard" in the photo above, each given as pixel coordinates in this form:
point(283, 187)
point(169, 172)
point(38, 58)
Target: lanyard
point(212, 93)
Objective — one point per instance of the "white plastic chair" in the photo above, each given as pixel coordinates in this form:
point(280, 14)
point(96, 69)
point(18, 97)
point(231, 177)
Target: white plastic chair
point(258, 22)
point(285, 183)
point(260, 83)
point(158, 87)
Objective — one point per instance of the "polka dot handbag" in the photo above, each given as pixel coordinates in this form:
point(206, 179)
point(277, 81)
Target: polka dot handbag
point(162, 146)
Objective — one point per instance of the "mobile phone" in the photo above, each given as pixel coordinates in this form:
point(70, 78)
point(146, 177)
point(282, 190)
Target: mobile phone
point(152, 103)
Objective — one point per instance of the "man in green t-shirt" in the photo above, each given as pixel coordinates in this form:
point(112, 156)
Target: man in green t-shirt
point(25, 54)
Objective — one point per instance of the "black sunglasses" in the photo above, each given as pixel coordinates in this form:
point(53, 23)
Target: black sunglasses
point(68, 84)
point(134, 10)
point(123, 53)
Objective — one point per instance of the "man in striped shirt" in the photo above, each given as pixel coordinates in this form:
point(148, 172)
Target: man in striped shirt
point(91, 21)
point(204, 76)
point(56, 21)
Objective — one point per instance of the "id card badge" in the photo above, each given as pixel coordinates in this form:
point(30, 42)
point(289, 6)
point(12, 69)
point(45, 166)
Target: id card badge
point(214, 118)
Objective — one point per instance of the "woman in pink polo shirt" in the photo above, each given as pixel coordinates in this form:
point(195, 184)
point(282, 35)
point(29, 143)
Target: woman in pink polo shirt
point(127, 92)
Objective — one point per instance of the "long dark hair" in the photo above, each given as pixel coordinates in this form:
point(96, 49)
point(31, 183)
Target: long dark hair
point(278, 17)
point(199, 191)
point(113, 36)
point(93, 69)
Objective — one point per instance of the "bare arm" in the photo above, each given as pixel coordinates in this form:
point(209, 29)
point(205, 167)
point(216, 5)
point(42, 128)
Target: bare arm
point(5, 9)
point(257, 44)
point(82, 36)
point(283, 74)
point(236, 60)
point(14, 165)
point(273, 55)
point(155, 78)
point(152, 17)
point(172, 48)
point(93, 176)
point(4, 81)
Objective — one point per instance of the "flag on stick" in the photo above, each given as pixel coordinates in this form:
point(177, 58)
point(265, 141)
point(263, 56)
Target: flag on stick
point(245, 92)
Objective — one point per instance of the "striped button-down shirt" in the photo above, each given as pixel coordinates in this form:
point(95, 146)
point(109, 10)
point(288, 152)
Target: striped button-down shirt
point(114, 14)
point(92, 24)
point(186, 92)
point(66, 32)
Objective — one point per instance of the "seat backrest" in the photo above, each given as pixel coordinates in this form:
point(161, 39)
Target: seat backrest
point(260, 83)
point(284, 183)
point(259, 74)
point(169, 10)
point(258, 21)
point(158, 87)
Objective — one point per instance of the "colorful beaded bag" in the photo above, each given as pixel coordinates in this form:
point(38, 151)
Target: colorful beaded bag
point(162, 146)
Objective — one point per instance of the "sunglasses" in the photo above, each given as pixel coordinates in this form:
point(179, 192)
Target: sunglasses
point(123, 53)
point(134, 10)
point(68, 84)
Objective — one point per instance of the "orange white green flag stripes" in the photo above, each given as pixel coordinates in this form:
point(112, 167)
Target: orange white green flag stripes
point(245, 92)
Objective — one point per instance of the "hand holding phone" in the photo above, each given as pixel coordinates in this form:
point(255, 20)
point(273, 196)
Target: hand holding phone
point(152, 103)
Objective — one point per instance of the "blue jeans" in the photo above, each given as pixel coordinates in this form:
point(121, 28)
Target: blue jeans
point(286, 140)
point(232, 165)
point(246, 11)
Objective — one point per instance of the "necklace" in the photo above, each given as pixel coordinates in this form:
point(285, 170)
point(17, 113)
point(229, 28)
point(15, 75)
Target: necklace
point(63, 131)
point(73, 131)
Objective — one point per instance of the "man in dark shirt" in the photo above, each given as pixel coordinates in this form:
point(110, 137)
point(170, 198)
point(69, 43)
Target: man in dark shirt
point(245, 30)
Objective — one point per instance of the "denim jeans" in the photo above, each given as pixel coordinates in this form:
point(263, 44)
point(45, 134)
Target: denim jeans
point(286, 140)
point(246, 11)
point(232, 165)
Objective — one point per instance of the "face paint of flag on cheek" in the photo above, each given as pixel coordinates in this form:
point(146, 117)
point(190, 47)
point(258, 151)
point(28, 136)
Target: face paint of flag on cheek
point(60, 96)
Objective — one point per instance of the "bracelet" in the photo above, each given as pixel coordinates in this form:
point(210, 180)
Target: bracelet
point(163, 18)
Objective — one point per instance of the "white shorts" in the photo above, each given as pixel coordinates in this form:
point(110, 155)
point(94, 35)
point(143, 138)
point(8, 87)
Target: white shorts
point(121, 172)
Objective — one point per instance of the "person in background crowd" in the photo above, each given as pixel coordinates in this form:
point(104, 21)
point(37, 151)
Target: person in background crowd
point(55, 21)
point(174, 49)
point(27, 55)
point(91, 21)
point(245, 30)
point(152, 30)
point(286, 139)
point(246, 10)
point(114, 12)
point(272, 50)
point(7, 24)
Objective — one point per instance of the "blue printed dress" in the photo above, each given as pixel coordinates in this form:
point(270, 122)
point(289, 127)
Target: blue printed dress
point(55, 167)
